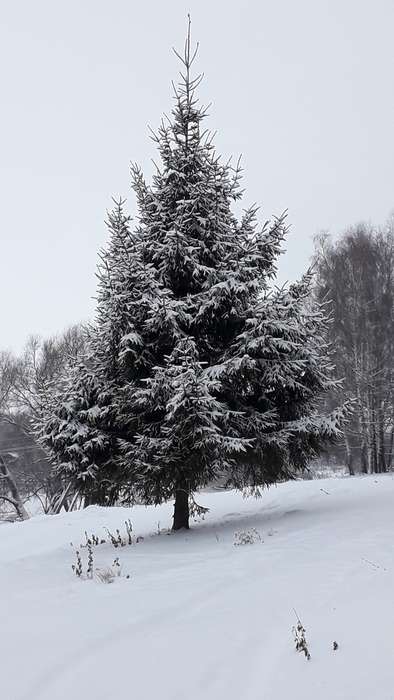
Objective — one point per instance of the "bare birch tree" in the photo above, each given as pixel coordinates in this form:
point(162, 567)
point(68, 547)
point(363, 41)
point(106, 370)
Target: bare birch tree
point(356, 273)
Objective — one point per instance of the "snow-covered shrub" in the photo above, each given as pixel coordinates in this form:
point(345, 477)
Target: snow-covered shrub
point(89, 569)
point(106, 574)
point(247, 537)
point(110, 573)
point(117, 540)
point(93, 540)
point(77, 567)
point(301, 644)
point(129, 530)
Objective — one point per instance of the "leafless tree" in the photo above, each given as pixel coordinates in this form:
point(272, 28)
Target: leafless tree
point(7, 377)
point(356, 273)
point(26, 384)
point(40, 368)
point(10, 492)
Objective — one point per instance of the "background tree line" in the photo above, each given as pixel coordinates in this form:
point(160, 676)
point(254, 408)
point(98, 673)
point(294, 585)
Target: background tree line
point(355, 273)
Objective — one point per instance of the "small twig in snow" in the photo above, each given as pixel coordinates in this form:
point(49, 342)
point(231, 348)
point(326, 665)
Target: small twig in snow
point(375, 566)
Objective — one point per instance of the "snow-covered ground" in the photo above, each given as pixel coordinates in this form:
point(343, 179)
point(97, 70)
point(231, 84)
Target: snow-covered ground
point(200, 617)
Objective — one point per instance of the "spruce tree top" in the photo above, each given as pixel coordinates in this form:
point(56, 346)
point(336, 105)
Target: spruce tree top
point(195, 248)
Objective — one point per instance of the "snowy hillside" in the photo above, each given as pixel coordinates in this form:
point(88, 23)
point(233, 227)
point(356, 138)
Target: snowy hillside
point(200, 617)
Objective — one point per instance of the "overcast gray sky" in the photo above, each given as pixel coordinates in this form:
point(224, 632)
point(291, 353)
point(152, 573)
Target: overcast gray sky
point(304, 90)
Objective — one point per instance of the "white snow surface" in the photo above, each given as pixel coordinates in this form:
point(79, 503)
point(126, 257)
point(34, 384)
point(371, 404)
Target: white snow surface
point(200, 617)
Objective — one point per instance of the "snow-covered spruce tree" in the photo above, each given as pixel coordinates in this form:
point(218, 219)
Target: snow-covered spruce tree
point(71, 431)
point(198, 370)
point(80, 427)
point(234, 370)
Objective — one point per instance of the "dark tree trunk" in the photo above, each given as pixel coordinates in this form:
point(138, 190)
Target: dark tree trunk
point(181, 510)
point(349, 456)
point(374, 446)
point(14, 498)
point(89, 500)
point(381, 443)
point(364, 458)
point(390, 455)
